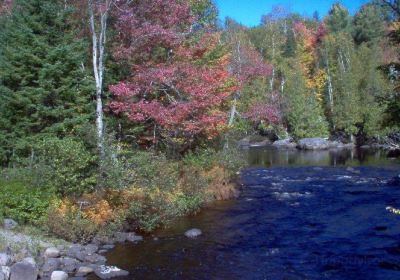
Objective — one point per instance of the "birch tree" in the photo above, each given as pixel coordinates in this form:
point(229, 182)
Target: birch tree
point(98, 16)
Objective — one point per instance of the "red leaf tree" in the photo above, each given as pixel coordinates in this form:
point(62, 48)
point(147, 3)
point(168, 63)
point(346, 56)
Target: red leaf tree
point(178, 84)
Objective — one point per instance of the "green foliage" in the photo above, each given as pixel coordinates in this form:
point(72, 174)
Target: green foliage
point(338, 19)
point(304, 114)
point(66, 165)
point(44, 87)
point(368, 25)
point(23, 203)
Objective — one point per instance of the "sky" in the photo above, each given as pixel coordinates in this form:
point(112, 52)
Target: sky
point(249, 12)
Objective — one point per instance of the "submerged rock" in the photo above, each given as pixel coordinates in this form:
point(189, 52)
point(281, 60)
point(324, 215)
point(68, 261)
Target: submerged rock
point(108, 272)
point(193, 233)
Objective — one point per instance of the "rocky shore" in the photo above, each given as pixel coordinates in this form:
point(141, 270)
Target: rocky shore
point(26, 258)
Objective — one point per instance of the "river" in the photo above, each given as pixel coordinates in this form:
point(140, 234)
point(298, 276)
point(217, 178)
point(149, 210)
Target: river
point(301, 215)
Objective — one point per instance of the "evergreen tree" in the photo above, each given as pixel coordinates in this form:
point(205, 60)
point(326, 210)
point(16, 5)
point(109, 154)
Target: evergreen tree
point(338, 19)
point(44, 87)
point(368, 25)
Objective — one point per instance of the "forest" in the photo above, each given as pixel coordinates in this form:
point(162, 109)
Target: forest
point(121, 113)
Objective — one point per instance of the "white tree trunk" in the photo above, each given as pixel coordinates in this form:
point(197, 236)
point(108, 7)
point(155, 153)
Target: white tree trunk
point(98, 55)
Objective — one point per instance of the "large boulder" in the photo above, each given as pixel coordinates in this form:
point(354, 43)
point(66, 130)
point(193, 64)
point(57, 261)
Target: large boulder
point(314, 144)
point(23, 271)
point(9, 224)
point(285, 144)
point(108, 272)
point(193, 233)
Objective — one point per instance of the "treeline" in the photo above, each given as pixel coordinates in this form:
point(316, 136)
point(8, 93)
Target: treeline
point(336, 76)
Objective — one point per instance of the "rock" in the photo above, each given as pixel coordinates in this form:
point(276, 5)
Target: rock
point(102, 251)
point(132, 237)
point(108, 272)
point(91, 249)
point(2, 276)
point(313, 144)
point(6, 272)
point(244, 143)
point(95, 259)
point(263, 143)
point(30, 260)
point(77, 278)
point(9, 224)
point(108, 247)
point(52, 252)
point(50, 265)
point(120, 236)
point(84, 270)
point(23, 271)
point(59, 275)
point(4, 259)
point(68, 264)
point(285, 144)
point(193, 233)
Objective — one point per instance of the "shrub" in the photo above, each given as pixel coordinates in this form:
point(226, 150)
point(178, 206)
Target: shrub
point(67, 165)
point(22, 203)
point(66, 220)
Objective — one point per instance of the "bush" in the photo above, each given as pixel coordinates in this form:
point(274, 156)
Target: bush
point(67, 221)
point(66, 165)
point(22, 203)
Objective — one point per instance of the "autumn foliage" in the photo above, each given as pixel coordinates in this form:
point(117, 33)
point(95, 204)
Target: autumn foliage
point(178, 83)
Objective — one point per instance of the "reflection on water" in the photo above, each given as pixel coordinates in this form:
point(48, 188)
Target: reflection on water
point(292, 221)
point(270, 156)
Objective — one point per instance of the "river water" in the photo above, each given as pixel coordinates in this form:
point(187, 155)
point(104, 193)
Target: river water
point(301, 215)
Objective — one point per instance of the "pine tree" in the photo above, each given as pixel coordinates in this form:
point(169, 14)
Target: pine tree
point(44, 86)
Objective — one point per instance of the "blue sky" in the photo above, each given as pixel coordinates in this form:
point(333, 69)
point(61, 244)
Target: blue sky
point(249, 12)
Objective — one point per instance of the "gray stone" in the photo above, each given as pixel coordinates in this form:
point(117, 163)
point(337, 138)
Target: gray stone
point(313, 144)
point(108, 247)
point(132, 237)
point(263, 143)
point(23, 271)
point(193, 233)
point(95, 259)
point(108, 272)
point(30, 260)
point(59, 275)
point(102, 251)
point(50, 265)
point(84, 270)
point(91, 249)
point(120, 236)
point(77, 278)
point(9, 224)
point(2, 276)
point(68, 264)
point(52, 252)
point(285, 144)
point(4, 259)
point(6, 272)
